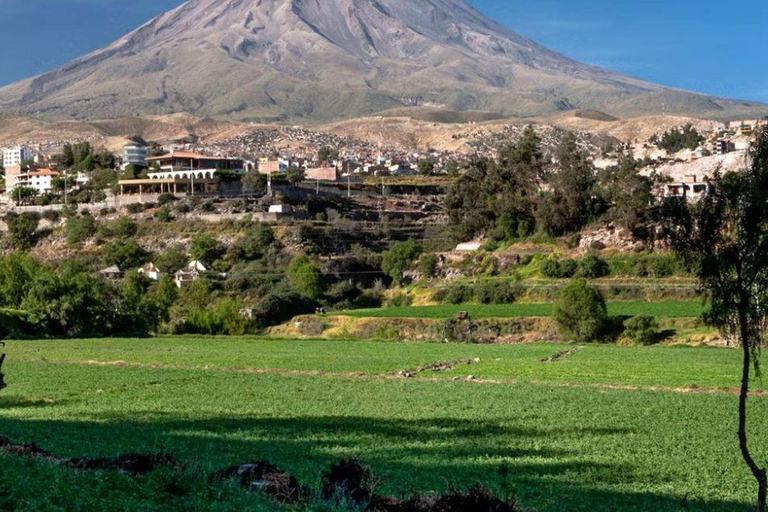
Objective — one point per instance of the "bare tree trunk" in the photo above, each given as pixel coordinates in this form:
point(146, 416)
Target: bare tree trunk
point(2, 377)
point(758, 473)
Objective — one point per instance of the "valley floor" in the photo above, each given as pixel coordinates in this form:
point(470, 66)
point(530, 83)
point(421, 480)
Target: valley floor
point(599, 428)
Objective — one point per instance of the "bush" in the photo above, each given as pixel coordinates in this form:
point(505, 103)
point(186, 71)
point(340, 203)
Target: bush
point(306, 278)
point(496, 293)
point(79, 229)
point(164, 214)
point(22, 229)
point(51, 215)
point(126, 254)
point(592, 267)
point(123, 227)
point(164, 199)
point(277, 308)
point(205, 248)
point(580, 312)
point(553, 268)
point(428, 265)
point(456, 294)
point(642, 329)
point(399, 300)
point(135, 208)
point(399, 258)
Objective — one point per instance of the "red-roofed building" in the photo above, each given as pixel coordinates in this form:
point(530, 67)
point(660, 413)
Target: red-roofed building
point(39, 179)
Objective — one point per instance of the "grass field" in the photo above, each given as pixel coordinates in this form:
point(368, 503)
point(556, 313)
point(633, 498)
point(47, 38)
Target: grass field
point(569, 442)
point(658, 309)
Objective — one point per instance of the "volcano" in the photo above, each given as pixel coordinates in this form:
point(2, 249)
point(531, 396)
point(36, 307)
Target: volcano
point(283, 60)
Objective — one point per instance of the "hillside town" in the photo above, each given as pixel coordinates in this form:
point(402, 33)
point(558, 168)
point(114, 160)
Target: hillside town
point(34, 174)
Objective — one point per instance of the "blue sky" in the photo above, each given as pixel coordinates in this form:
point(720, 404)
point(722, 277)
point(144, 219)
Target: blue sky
point(702, 45)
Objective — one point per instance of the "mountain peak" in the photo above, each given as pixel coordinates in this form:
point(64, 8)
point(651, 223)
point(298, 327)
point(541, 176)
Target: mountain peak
point(324, 59)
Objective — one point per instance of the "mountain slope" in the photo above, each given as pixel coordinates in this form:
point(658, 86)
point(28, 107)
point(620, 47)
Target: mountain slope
point(272, 60)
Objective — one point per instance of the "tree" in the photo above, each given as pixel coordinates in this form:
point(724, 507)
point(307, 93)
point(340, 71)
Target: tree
point(172, 259)
point(306, 278)
point(296, 176)
point(629, 194)
point(426, 166)
point(505, 188)
point(580, 312)
point(17, 270)
point(452, 168)
point(254, 181)
point(205, 248)
point(21, 194)
point(399, 258)
point(725, 239)
point(126, 254)
point(676, 139)
point(255, 243)
point(22, 229)
point(328, 154)
point(572, 203)
point(79, 229)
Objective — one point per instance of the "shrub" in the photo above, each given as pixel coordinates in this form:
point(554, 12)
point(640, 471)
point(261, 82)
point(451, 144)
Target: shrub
point(123, 227)
point(22, 229)
point(277, 308)
point(205, 248)
point(399, 258)
point(135, 208)
point(306, 278)
point(164, 199)
point(455, 294)
point(399, 300)
point(592, 267)
point(642, 329)
point(164, 214)
point(428, 265)
point(79, 229)
point(51, 215)
point(125, 254)
point(553, 268)
point(496, 293)
point(580, 312)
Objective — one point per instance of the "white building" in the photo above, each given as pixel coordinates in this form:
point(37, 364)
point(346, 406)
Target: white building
point(39, 179)
point(15, 156)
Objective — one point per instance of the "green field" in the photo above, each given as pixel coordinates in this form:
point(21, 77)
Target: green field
point(658, 309)
point(570, 438)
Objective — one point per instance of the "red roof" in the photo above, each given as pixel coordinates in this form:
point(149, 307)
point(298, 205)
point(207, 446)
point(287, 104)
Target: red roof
point(43, 172)
point(185, 154)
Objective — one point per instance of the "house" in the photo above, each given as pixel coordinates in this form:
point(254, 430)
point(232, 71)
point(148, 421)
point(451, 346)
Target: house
point(281, 208)
point(322, 173)
point(135, 154)
point(267, 166)
point(113, 273)
point(183, 172)
point(724, 146)
point(690, 188)
point(189, 274)
point(41, 180)
point(150, 271)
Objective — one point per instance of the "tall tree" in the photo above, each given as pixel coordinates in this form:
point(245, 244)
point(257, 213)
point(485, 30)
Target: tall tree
point(573, 200)
point(628, 193)
point(503, 190)
point(725, 238)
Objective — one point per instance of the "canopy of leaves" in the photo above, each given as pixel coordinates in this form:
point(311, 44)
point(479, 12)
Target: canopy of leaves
point(580, 312)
